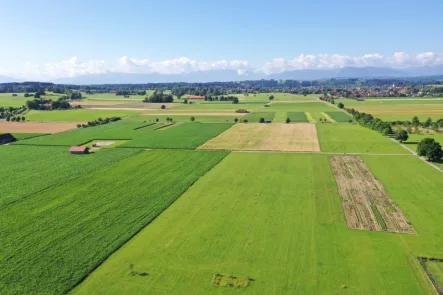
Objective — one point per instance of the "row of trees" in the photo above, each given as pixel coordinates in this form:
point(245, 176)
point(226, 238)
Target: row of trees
point(428, 147)
point(16, 119)
point(10, 112)
point(99, 121)
point(232, 98)
point(49, 104)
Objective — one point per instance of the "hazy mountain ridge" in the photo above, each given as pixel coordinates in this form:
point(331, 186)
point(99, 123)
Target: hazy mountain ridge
point(232, 75)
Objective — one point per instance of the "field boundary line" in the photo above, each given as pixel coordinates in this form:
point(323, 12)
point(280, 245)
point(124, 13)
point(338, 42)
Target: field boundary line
point(328, 118)
point(142, 227)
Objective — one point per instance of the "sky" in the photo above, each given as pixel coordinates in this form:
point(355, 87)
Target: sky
point(53, 39)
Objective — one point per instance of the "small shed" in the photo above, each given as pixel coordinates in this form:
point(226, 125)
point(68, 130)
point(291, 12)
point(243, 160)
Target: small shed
point(196, 97)
point(79, 150)
point(7, 138)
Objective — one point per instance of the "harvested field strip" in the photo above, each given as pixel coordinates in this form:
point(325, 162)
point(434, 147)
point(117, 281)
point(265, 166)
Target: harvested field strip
point(195, 114)
point(338, 116)
point(297, 117)
point(51, 241)
point(36, 127)
point(267, 137)
point(365, 202)
point(43, 167)
point(146, 126)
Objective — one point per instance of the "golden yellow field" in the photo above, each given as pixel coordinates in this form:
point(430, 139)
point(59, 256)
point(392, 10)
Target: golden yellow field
point(36, 127)
point(267, 137)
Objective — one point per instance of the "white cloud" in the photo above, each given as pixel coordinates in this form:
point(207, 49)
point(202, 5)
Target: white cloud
point(333, 61)
point(75, 67)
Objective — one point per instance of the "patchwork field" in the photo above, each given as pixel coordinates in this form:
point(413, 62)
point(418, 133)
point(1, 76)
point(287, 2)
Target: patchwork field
point(349, 138)
point(138, 134)
point(51, 240)
point(365, 202)
point(284, 233)
point(267, 137)
point(256, 116)
point(35, 127)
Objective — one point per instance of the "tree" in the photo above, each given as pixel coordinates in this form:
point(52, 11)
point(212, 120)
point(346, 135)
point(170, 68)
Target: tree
point(192, 119)
point(236, 120)
point(415, 121)
point(156, 120)
point(245, 121)
point(23, 118)
point(262, 120)
point(163, 107)
point(434, 126)
point(288, 120)
point(271, 97)
point(386, 131)
point(427, 123)
point(401, 135)
point(430, 149)
point(37, 95)
point(340, 105)
point(350, 121)
point(235, 100)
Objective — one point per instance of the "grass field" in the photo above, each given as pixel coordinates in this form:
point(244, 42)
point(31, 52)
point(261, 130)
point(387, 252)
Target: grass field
point(83, 115)
point(340, 117)
point(347, 138)
point(44, 167)
point(118, 130)
point(22, 136)
point(399, 109)
point(255, 117)
point(185, 118)
point(267, 137)
point(436, 269)
point(232, 222)
point(53, 239)
point(7, 100)
point(297, 117)
point(184, 136)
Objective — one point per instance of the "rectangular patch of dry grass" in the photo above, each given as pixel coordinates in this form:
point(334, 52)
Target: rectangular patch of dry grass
point(36, 127)
point(267, 137)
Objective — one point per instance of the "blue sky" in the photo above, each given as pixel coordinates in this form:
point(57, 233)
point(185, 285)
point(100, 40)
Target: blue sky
point(42, 32)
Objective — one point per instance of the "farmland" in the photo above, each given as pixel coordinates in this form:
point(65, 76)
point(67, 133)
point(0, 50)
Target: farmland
point(347, 138)
point(290, 244)
point(50, 165)
point(267, 137)
point(93, 216)
point(35, 127)
point(313, 206)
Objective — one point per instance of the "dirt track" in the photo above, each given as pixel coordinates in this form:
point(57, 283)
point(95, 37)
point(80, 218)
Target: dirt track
point(36, 127)
point(365, 202)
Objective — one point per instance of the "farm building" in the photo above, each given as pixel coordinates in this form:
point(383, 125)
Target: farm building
point(196, 97)
point(6, 138)
point(79, 150)
point(242, 111)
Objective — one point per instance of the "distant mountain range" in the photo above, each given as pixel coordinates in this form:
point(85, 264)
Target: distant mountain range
point(232, 75)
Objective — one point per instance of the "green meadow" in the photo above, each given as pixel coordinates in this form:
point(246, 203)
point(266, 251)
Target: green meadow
point(286, 233)
point(351, 138)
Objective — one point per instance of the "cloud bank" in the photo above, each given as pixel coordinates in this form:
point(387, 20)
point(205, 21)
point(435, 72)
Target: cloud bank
point(75, 67)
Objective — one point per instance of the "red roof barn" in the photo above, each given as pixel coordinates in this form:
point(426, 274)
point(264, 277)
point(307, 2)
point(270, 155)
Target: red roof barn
point(79, 150)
